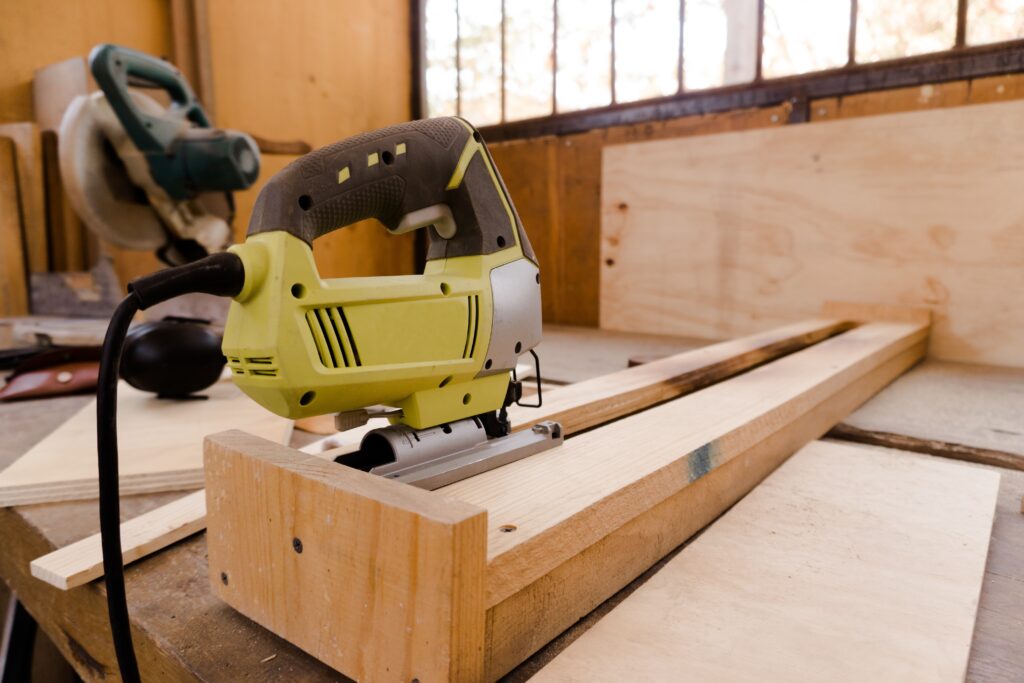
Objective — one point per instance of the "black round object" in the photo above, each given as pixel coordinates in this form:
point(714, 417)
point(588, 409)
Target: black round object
point(173, 357)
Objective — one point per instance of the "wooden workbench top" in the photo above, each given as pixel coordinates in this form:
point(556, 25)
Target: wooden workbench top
point(192, 635)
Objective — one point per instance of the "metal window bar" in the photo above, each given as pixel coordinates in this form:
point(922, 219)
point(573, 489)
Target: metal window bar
point(987, 60)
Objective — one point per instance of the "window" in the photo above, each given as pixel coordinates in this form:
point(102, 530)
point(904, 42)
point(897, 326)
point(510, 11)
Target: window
point(496, 61)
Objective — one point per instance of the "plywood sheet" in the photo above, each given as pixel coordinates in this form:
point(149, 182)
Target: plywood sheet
point(717, 236)
point(160, 445)
point(847, 563)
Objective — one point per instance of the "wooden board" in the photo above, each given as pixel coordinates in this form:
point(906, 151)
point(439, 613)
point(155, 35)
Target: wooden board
point(82, 561)
point(160, 446)
point(13, 275)
point(184, 632)
point(568, 527)
point(716, 236)
point(410, 605)
point(29, 152)
point(848, 563)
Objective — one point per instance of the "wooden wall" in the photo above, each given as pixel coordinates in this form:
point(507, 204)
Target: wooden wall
point(317, 71)
point(555, 182)
point(307, 70)
point(35, 33)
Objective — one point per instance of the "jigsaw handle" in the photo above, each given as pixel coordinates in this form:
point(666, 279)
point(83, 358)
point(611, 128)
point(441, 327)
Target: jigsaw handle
point(434, 173)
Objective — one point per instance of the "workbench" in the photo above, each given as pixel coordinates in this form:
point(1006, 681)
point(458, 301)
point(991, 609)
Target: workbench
point(967, 411)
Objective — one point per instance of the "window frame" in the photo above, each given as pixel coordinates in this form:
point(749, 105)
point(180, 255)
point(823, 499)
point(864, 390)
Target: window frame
point(959, 62)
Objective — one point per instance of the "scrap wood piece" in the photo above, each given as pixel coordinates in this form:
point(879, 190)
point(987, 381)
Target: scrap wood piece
point(82, 561)
point(160, 446)
point(847, 563)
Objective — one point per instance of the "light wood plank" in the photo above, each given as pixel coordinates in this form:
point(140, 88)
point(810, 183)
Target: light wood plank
point(715, 236)
point(160, 446)
point(409, 605)
point(848, 563)
point(29, 152)
point(13, 276)
point(81, 562)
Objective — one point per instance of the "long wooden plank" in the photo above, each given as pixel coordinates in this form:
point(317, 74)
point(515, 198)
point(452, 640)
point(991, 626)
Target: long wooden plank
point(716, 236)
point(81, 562)
point(623, 501)
point(161, 446)
point(578, 406)
point(409, 605)
point(562, 526)
point(847, 563)
point(29, 151)
point(13, 275)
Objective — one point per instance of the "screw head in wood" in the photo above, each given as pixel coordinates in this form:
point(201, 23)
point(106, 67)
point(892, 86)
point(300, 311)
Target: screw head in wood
point(297, 544)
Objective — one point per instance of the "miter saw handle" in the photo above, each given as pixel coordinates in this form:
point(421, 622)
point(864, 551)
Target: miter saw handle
point(434, 172)
point(115, 68)
point(184, 159)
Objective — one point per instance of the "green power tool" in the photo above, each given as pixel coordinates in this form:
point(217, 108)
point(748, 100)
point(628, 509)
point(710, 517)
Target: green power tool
point(436, 352)
point(146, 176)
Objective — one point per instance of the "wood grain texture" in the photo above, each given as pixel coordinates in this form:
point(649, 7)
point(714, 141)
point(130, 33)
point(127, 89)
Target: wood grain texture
point(517, 627)
point(13, 273)
point(974, 406)
point(82, 561)
point(320, 72)
point(185, 633)
point(715, 236)
point(411, 563)
point(847, 563)
point(160, 446)
point(602, 399)
point(29, 152)
point(555, 183)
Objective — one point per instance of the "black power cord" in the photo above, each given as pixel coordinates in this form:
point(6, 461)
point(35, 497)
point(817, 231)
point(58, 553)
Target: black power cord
point(220, 274)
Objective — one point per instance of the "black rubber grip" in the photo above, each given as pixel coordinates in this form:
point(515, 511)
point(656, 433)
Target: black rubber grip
point(388, 174)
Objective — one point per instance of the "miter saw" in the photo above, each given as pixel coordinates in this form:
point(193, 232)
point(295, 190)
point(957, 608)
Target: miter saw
point(435, 353)
point(145, 176)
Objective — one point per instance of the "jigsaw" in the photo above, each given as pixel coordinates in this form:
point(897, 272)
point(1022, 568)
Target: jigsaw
point(436, 352)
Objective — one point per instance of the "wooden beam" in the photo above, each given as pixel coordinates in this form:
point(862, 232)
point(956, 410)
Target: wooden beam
point(379, 580)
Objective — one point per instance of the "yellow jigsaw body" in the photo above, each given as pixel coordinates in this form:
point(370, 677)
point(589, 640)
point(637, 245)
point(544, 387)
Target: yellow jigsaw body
point(300, 345)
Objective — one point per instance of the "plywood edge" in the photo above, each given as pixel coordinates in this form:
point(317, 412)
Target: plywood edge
point(867, 312)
